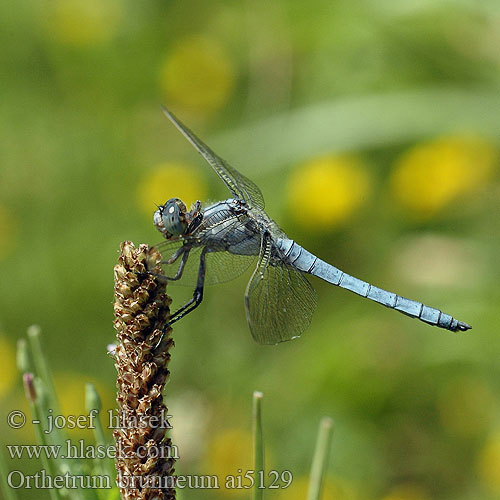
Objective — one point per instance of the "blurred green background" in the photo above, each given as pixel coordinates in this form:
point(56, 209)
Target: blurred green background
point(373, 131)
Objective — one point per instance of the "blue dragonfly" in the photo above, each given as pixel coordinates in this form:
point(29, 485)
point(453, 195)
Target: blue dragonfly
point(216, 243)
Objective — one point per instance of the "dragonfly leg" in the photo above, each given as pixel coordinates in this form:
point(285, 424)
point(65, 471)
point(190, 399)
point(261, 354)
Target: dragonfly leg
point(193, 303)
point(182, 265)
point(197, 295)
point(174, 256)
point(180, 251)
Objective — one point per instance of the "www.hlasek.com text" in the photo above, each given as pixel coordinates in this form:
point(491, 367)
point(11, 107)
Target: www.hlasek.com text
point(81, 450)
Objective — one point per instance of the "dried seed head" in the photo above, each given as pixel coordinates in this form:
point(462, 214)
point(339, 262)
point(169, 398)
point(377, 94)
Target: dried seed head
point(141, 314)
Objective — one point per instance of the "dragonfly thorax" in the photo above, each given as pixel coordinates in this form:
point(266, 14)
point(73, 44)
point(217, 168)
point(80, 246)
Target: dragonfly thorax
point(170, 218)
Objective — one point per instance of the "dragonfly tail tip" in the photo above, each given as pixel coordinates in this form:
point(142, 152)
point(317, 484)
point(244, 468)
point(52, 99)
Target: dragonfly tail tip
point(463, 327)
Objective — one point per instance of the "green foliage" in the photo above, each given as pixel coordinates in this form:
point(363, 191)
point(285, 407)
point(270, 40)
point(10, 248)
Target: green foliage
point(82, 134)
point(44, 406)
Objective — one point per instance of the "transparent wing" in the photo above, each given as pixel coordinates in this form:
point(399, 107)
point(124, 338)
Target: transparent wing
point(279, 300)
point(238, 184)
point(220, 266)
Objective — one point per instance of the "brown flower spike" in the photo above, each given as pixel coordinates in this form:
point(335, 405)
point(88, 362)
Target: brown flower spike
point(144, 455)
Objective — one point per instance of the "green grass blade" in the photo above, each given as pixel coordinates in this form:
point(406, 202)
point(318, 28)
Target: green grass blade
point(320, 460)
point(41, 368)
point(353, 123)
point(47, 400)
point(258, 445)
point(36, 395)
point(23, 357)
point(8, 492)
point(105, 466)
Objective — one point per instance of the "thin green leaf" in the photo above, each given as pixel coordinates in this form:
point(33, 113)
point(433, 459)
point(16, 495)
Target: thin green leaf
point(41, 367)
point(258, 445)
point(23, 357)
point(355, 123)
point(35, 395)
point(8, 492)
point(47, 400)
point(93, 405)
point(320, 460)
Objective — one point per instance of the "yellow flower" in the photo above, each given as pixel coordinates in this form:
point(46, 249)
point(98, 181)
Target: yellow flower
point(197, 75)
point(435, 174)
point(229, 454)
point(407, 492)
point(170, 180)
point(8, 370)
point(83, 23)
point(7, 233)
point(489, 464)
point(333, 489)
point(326, 191)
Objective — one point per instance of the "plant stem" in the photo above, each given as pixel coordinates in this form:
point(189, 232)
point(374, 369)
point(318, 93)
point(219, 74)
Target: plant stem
point(258, 445)
point(41, 367)
point(36, 393)
point(320, 460)
point(93, 405)
point(7, 491)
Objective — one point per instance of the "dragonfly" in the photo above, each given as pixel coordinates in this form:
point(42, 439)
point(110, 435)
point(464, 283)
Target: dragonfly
point(220, 241)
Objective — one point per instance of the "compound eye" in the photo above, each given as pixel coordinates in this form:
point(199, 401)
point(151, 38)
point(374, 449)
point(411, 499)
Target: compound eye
point(173, 218)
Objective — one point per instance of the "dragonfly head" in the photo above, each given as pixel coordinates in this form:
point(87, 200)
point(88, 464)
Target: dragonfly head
point(170, 218)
